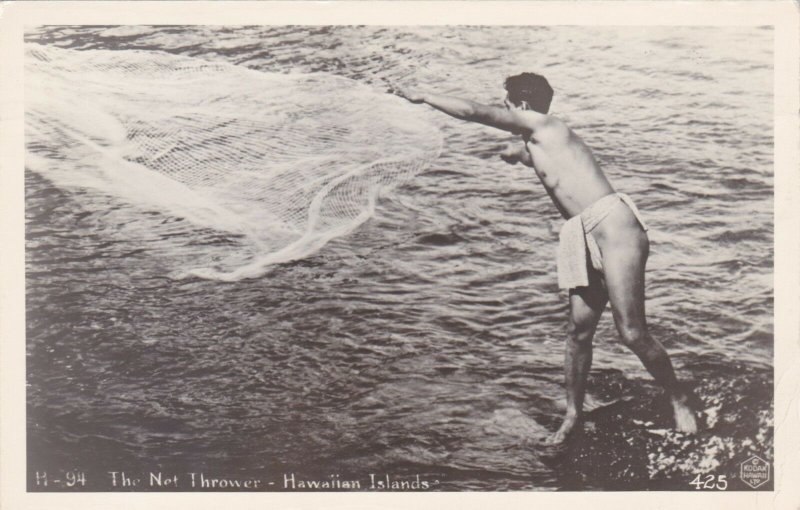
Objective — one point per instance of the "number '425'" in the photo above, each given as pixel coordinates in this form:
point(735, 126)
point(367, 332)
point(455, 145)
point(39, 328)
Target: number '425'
point(710, 482)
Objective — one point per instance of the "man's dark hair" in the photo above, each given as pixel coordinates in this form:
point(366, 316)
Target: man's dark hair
point(531, 88)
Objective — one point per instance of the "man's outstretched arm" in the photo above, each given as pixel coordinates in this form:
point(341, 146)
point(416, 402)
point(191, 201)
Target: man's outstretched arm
point(520, 122)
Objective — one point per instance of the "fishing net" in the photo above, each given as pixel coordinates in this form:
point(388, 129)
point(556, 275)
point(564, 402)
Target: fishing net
point(285, 161)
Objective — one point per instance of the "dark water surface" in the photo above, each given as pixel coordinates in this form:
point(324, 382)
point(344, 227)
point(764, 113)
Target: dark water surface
point(430, 341)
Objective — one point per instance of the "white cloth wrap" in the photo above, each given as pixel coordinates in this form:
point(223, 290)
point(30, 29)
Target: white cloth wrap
point(575, 239)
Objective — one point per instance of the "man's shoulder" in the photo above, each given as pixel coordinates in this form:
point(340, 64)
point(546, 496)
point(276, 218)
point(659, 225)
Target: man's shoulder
point(546, 125)
point(538, 120)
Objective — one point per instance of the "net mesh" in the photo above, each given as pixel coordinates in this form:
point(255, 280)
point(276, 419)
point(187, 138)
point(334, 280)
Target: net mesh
point(287, 161)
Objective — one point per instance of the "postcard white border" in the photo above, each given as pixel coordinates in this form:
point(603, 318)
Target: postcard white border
point(783, 15)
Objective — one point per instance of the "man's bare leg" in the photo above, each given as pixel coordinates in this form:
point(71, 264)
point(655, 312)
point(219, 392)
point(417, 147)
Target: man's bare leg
point(624, 261)
point(586, 304)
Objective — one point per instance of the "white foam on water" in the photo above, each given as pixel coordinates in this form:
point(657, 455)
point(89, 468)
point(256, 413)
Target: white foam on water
point(288, 162)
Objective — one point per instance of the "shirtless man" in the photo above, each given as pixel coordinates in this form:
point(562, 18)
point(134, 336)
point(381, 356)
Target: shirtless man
point(603, 246)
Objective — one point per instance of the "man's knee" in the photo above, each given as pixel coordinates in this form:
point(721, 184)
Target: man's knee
point(580, 333)
point(634, 335)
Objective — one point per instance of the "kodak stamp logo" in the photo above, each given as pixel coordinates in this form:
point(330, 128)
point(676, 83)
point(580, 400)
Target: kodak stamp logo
point(755, 471)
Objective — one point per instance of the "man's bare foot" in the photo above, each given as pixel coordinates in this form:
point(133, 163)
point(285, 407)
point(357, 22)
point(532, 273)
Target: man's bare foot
point(685, 420)
point(561, 435)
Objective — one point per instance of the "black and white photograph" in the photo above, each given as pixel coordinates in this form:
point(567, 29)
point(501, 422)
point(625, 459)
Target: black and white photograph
point(399, 258)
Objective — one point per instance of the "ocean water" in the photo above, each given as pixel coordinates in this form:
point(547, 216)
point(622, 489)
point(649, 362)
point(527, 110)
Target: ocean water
point(429, 340)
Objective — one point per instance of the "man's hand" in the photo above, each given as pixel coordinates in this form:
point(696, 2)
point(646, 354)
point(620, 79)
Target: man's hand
point(510, 154)
point(412, 95)
point(513, 154)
